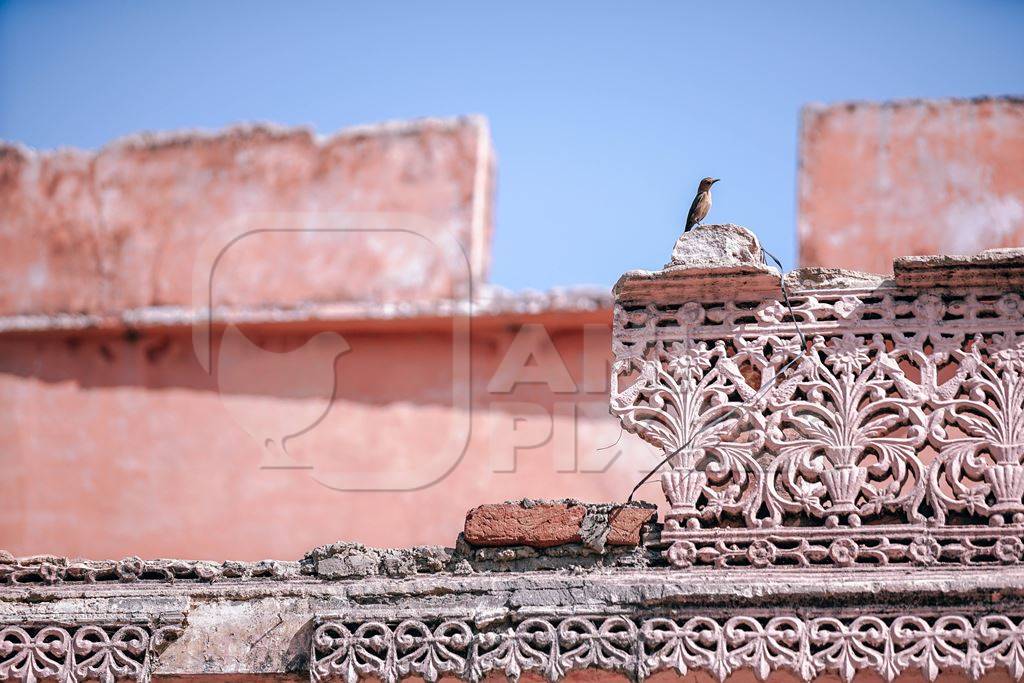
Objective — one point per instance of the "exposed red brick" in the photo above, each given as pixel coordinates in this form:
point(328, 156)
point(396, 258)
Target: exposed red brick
point(547, 524)
point(627, 525)
point(539, 526)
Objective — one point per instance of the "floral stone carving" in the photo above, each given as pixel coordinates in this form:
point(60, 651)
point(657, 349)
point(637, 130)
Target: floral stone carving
point(842, 644)
point(895, 434)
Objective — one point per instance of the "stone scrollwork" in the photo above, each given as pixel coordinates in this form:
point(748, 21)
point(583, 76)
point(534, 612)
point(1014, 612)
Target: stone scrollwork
point(895, 435)
point(104, 653)
point(979, 469)
point(553, 646)
point(846, 435)
point(689, 400)
point(26, 656)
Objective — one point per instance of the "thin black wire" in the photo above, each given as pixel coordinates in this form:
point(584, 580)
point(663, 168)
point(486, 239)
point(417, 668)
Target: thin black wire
point(616, 443)
point(753, 399)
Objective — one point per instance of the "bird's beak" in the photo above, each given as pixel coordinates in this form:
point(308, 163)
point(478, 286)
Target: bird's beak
point(715, 181)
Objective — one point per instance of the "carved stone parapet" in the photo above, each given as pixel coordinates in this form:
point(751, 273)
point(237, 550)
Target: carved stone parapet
point(895, 434)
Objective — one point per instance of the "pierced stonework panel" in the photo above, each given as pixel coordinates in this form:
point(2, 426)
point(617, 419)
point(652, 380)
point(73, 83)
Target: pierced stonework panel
point(90, 652)
point(895, 434)
point(553, 646)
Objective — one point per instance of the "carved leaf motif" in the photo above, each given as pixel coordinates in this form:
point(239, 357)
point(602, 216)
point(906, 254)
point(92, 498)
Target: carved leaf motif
point(1004, 639)
point(664, 647)
point(29, 658)
point(109, 658)
point(431, 653)
point(104, 653)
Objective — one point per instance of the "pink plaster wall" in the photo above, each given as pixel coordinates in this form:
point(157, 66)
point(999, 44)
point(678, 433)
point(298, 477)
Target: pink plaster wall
point(117, 445)
point(880, 180)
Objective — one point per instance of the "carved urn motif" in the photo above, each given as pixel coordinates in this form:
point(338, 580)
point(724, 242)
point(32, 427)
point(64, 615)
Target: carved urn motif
point(683, 484)
point(843, 478)
point(1006, 477)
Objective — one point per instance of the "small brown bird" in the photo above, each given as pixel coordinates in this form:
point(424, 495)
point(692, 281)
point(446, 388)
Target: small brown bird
point(701, 203)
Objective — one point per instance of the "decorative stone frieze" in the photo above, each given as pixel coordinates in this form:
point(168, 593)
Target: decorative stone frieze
point(103, 652)
point(552, 646)
point(634, 621)
point(891, 431)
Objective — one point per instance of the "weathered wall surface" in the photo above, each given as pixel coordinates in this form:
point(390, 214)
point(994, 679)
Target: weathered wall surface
point(123, 227)
point(878, 181)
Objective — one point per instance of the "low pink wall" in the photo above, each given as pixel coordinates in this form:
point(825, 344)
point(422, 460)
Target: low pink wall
point(116, 445)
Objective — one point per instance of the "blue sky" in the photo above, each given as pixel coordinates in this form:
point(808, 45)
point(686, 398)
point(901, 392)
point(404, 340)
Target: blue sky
point(604, 115)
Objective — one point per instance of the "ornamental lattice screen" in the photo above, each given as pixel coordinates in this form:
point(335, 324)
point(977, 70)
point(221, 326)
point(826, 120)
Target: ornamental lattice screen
point(897, 436)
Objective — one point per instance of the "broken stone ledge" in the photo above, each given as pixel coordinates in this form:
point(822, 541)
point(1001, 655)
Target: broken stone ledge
point(704, 261)
point(323, 616)
point(525, 535)
point(725, 262)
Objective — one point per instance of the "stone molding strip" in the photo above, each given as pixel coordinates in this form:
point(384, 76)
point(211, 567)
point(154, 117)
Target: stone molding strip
point(488, 302)
point(52, 569)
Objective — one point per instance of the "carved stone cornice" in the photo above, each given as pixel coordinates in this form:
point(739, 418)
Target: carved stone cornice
point(637, 622)
point(895, 435)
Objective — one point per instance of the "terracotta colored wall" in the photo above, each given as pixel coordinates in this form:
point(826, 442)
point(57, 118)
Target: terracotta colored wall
point(922, 177)
point(115, 445)
point(123, 228)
